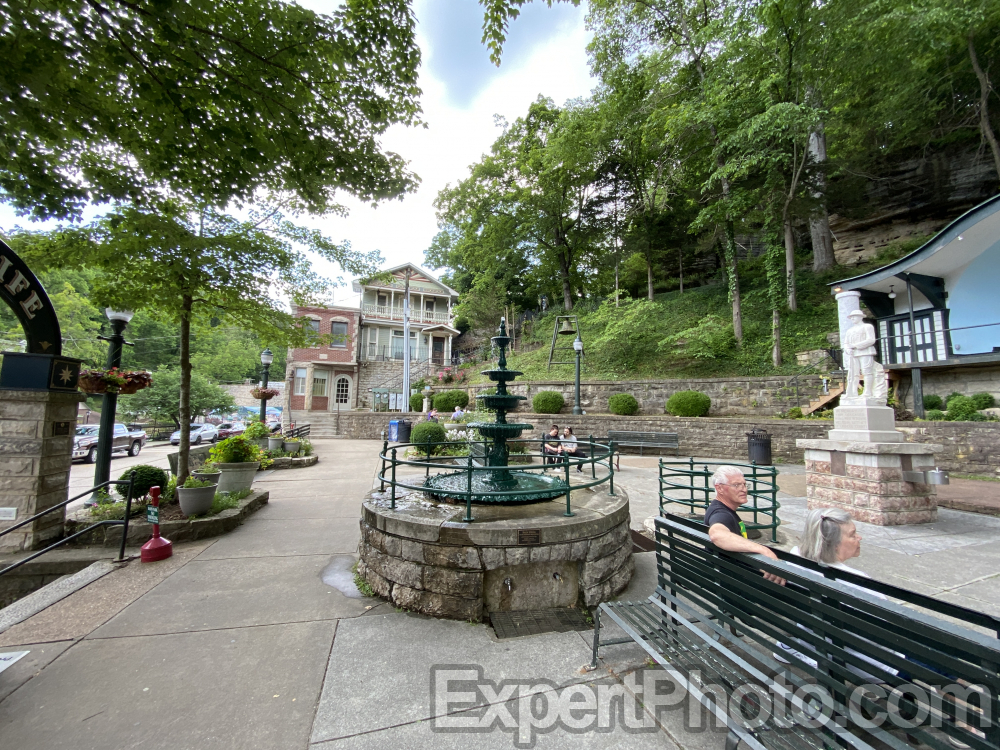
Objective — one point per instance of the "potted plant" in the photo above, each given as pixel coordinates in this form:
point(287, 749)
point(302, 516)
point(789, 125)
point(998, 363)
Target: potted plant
point(135, 381)
point(208, 472)
point(291, 446)
point(195, 497)
point(264, 394)
point(274, 442)
point(258, 433)
point(238, 459)
point(101, 381)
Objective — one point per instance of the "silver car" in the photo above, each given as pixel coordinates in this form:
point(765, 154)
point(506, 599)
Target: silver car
point(200, 433)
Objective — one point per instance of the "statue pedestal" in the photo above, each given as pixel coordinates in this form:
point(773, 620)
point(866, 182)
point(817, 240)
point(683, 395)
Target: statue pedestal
point(860, 468)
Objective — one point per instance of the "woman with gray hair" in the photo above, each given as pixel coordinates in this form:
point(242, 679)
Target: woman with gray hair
point(831, 538)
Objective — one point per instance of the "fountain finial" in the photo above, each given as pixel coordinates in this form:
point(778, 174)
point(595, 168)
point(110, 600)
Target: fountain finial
point(503, 326)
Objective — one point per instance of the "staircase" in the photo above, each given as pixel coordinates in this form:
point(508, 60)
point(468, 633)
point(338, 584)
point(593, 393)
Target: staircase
point(323, 424)
point(819, 403)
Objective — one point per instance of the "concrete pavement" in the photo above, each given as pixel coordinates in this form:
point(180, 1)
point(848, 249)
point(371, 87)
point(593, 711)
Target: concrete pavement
point(258, 639)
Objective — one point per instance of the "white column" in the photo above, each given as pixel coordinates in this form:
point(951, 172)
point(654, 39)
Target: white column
point(310, 369)
point(847, 302)
point(447, 351)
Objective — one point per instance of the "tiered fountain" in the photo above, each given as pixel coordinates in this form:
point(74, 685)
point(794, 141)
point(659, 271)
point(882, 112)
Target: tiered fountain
point(500, 484)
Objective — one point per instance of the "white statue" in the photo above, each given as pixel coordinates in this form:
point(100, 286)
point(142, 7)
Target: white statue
point(859, 357)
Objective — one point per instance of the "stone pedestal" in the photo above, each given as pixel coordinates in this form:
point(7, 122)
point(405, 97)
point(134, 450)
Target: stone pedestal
point(36, 449)
point(859, 422)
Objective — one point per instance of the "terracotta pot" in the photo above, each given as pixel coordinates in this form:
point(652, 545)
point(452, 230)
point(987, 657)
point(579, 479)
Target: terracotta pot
point(195, 501)
point(236, 477)
point(92, 385)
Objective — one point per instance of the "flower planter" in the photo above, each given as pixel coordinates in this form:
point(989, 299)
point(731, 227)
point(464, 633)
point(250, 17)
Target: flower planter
point(275, 443)
point(261, 442)
point(264, 394)
point(207, 476)
point(236, 477)
point(291, 446)
point(195, 501)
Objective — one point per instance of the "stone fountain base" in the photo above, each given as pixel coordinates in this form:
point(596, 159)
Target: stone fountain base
point(422, 557)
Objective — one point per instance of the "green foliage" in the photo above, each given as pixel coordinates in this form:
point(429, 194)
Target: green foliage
point(933, 402)
point(690, 404)
point(257, 430)
point(961, 409)
point(362, 585)
point(794, 413)
point(234, 450)
point(427, 432)
point(446, 401)
point(950, 396)
point(146, 477)
point(984, 400)
point(192, 483)
point(416, 401)
point(227, 500)
point(161, 401)
point(305, 447)
point(547, 402)
point(623, 403)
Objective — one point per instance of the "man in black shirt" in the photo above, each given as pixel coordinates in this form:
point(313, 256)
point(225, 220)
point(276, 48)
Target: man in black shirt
point(725, 528)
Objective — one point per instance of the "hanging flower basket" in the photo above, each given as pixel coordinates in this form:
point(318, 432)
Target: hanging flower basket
point(264, 394)
point(114, 381)
point(135, 381)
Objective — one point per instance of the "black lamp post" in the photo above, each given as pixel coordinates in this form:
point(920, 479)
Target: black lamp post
point(578, 348)
point(106, 432)
point(266, 358)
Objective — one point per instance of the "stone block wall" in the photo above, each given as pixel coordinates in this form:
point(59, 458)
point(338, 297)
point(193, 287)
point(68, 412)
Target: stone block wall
point(966, 381)
point(35, 461)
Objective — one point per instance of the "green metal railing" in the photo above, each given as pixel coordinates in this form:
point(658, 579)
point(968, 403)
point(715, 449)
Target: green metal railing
point(693, 479)
point(598, 460)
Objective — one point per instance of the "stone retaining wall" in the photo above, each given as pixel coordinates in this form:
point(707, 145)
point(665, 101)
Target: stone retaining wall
point(970, 447)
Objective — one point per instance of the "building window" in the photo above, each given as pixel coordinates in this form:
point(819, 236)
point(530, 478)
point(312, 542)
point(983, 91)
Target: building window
point(339, 331)
point(343, 390)
point(300, 381)
point(929, 338)
point(429, 305)
point(313, 325)
point(319, 384)
point(382, 300)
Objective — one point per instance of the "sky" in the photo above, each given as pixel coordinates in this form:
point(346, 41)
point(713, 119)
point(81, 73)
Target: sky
point(545, 54)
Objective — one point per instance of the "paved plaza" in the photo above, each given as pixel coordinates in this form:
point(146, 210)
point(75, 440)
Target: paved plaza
point(258, 639)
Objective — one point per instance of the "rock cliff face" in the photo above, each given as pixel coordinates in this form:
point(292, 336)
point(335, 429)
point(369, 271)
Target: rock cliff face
point(909, 200)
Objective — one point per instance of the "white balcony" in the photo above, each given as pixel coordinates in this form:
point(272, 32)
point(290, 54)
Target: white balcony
point(384, 312)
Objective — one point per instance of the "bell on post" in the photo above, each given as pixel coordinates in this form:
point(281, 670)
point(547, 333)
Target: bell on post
point(566, 329)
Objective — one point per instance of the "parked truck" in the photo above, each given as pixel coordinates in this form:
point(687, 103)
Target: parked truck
point(124, 441)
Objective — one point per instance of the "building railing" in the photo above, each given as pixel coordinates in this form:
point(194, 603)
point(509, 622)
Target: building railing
point(65, 540)
point(386, 312)
point(690, 485)
point(599, 459)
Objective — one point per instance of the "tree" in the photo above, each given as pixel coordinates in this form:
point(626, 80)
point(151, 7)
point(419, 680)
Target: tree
point(162, 400)
point(109, 100)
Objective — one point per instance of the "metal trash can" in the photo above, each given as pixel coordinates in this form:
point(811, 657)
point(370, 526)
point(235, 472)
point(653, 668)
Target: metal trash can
point(405, 426)
point(759, 446)
point(393, 430)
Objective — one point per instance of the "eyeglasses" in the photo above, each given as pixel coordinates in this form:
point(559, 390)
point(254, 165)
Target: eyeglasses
point(733, 484)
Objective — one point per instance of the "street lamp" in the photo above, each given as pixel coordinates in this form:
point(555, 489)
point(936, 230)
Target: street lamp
point(266, 358)
point(106, 432)
point(578, 348)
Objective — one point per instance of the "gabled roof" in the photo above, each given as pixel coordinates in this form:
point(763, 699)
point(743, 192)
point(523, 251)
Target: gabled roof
point(953, 248)
point(419, 274)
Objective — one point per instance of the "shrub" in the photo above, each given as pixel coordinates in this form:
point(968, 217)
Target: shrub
point(416, 402)
point(794, 413)
point(446, 401)
point(934, 415)
point(256, 431)
point(146, 477)
point(235, 450)
point(623, 404)
point(547, 402)
point(427, 432)
point(305, 448)
point(984, 400)
point(689, 404)
point(933, 402)
point(949, 397)
point(960, 408)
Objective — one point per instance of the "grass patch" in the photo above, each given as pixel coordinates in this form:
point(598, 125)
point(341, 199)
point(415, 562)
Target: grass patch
point(363, 586)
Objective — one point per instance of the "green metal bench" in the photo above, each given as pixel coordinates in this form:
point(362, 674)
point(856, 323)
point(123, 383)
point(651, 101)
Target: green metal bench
point(833, 618)
point(641, 440)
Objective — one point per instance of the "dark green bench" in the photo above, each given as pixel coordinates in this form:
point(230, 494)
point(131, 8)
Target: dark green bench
point(641, 440)
point(713, 620)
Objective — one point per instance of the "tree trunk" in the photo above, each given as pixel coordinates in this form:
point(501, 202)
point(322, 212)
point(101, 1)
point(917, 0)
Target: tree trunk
point(790, 264)
point(984, 101)
point(184, 409)
point(775, 339)
point(649, 278)
point(819, 223)
point(617, 301)
point(734, 282)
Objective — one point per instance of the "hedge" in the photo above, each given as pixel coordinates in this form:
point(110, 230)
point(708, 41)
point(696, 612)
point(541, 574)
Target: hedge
point(961, 409)
point(446, 401)
point(689, 404)
point(984, 400)
point(933, 402)
point(547, 402)
point(146, 477)
point(416, 402)
point(624, 404)
point(427, 432)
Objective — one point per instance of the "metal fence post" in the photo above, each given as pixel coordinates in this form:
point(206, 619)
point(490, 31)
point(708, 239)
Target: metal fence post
point(468, 497)
point(569, 513)
point(394, 479)
point(611, 467)
point(593, 467)
point(385, 449)
point(128, 512)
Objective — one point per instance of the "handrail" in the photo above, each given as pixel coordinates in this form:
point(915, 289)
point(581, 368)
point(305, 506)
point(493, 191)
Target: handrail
point(298, 432)
point(761, 485)
point(123, 523)
point(827, 354)
point(600, 454)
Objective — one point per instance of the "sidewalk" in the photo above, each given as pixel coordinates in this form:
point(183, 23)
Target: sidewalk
point(258, 639)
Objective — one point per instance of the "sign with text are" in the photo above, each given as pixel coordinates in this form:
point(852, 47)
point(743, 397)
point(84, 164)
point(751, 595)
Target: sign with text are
point(23, 293)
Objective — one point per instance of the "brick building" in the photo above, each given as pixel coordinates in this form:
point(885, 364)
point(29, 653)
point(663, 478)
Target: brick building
point(325, 378)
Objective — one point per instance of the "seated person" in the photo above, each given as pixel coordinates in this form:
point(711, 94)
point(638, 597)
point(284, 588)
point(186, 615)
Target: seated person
point(457, 414)
point(552, 447)
point(570, 447)
point(432, 415)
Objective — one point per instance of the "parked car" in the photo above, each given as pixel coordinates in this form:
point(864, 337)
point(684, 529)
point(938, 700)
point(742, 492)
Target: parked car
point(228, 429)
point(124, 441)
point(200, 433)
point(274, 426)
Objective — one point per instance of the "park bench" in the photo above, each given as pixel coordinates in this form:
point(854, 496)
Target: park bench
point(641, 440)
point(844, 635)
